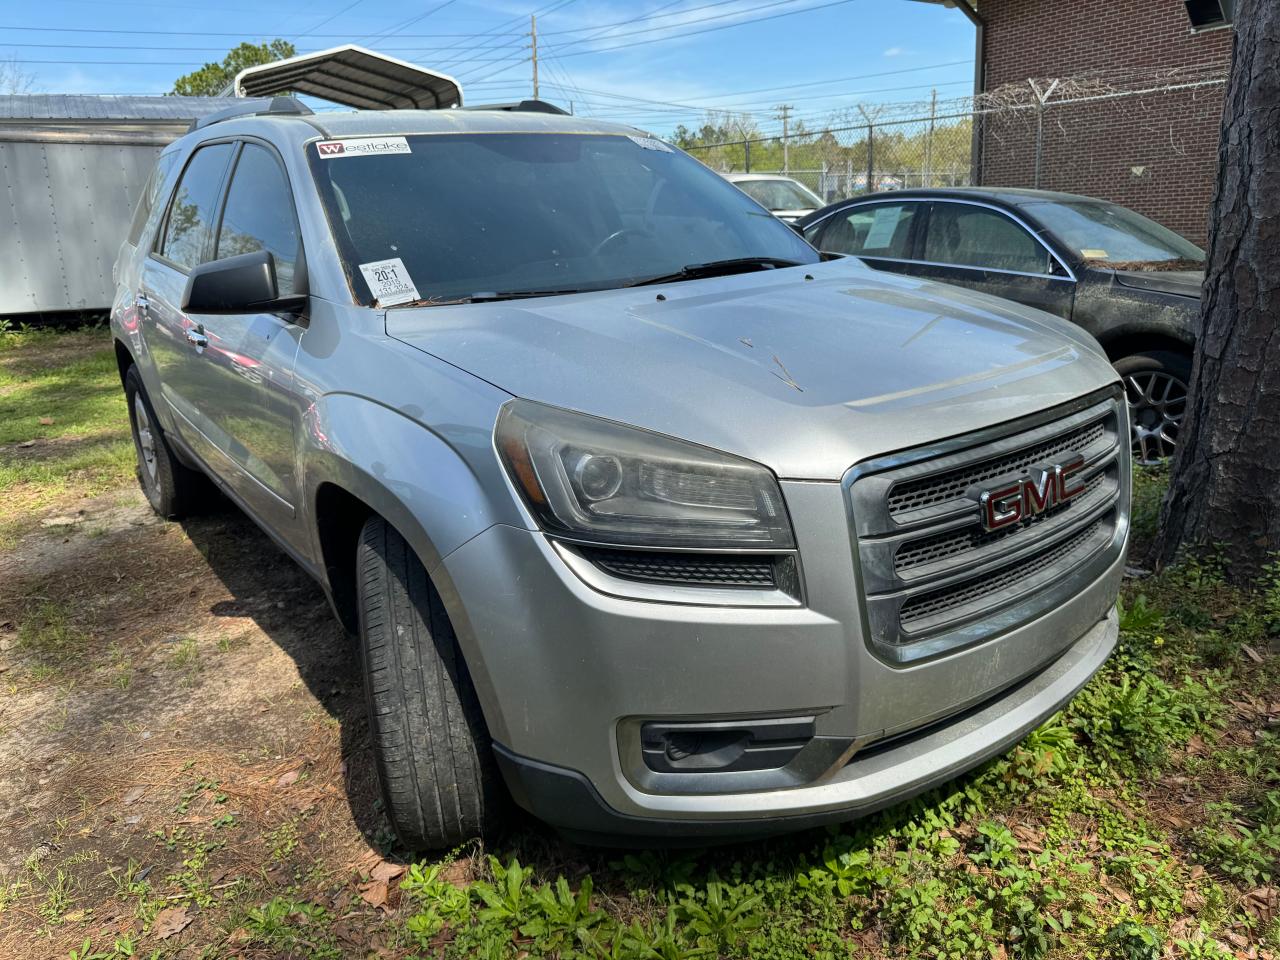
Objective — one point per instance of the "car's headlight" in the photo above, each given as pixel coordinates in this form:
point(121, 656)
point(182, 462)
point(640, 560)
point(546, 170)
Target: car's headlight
point(592, 479)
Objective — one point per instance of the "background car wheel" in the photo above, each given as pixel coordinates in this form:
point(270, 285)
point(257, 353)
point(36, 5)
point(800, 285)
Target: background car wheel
point(172, 489)
point(439, 779)
point(1156, 383)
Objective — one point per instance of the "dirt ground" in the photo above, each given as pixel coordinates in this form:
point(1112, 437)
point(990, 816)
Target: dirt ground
point(183, 713)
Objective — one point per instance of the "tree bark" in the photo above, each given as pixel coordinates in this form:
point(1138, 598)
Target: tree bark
point(1225, 488)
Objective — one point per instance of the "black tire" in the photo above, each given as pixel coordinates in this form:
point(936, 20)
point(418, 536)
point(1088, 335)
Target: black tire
point(435, 763)
point(172, 489)
point(1156, 383)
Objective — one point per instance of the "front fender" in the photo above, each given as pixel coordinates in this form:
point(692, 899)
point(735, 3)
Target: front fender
point(430, 486)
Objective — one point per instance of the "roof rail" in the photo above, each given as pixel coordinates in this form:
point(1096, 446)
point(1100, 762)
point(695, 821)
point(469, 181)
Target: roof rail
point(521, 106)
point(258, 107)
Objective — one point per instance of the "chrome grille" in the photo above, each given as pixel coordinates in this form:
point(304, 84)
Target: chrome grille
point(915, 557)
point(943, 488)
point(935, 579)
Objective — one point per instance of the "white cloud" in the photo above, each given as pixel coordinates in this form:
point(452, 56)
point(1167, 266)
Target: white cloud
point(894, 52)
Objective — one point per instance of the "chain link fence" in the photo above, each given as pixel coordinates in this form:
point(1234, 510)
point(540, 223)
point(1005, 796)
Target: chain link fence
point(1083, 135)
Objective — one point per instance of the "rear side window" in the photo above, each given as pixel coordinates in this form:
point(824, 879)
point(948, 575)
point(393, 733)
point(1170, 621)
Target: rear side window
point(259, 214)
point(975, 237)
point(149, 193)
point(876, 230)
point(189, 226)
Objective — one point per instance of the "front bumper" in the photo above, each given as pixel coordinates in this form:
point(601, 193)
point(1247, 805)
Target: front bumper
point(869, 782)
point(566, 674)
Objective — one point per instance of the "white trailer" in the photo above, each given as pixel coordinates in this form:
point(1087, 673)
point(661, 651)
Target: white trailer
point(71, 170)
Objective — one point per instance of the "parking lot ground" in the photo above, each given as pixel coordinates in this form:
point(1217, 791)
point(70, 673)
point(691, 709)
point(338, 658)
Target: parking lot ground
point(185, 771)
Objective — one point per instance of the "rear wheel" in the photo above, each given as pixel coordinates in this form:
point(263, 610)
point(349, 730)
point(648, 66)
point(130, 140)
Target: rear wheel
point(435, 763)
point(1156, 384)
point(172, 489)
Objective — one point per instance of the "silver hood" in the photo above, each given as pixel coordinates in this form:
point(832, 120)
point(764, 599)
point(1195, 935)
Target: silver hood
point(807, 376)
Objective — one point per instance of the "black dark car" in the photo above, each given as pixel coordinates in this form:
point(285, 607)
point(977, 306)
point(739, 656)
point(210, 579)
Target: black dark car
point(1132, 283)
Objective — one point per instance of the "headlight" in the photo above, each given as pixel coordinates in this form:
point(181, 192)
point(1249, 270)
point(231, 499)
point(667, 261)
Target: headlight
point(592, 479)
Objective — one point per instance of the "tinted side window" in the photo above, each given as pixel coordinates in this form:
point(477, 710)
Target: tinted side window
point(149, 193)
point(259, 214)
point(187, 232)
point(876, 230)
point(975, 237)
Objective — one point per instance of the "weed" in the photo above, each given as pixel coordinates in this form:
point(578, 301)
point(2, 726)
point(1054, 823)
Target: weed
point(1133, 941)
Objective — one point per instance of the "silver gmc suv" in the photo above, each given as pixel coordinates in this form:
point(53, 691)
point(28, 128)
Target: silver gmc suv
point(646, 515)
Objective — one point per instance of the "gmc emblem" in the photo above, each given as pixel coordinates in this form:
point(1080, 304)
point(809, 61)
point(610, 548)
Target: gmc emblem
point(1023, 499)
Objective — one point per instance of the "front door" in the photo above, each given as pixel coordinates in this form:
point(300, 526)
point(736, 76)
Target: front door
point(985, 249)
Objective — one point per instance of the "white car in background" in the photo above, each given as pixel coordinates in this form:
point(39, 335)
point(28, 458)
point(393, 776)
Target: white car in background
point(785, 198)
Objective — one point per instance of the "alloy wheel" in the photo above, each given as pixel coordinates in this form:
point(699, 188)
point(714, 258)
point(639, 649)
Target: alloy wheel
point(146, 440)
point(1157, 404)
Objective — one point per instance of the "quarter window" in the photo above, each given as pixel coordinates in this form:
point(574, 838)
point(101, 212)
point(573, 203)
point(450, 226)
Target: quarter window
point(259, 214)
point(971, 236)
point(875, 230)
point(189, 225)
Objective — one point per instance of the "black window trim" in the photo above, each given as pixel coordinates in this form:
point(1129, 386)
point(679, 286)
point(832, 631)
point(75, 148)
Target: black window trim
point(300, 265)
point(163, 229)
point(931, 201)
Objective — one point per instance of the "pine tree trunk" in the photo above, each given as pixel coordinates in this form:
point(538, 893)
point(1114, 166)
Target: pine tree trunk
point(1225, 488)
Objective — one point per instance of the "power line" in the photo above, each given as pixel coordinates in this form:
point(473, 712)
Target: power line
point(686, 23)
point(691, 33)
point(330, 18)
point(238, 33)
point(651, 15)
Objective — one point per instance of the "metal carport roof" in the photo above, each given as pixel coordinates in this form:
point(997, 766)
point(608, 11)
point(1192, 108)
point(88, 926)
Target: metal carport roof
point(352, 76)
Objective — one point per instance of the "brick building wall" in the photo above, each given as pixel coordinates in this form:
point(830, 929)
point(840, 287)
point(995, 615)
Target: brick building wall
point(1155, 153)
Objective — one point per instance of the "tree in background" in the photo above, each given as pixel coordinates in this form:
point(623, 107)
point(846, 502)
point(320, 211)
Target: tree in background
point(211, 79)
point(14, 79)
point(1225, 488)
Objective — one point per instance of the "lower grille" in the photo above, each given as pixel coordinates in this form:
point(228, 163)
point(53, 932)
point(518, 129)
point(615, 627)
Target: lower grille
point(934, 579)
point(996, 587)
point(687, 569)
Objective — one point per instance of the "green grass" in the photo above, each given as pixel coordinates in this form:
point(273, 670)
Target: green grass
point(1131, 826)
point(60, 397)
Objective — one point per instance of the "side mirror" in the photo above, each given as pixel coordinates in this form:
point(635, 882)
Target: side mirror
point(243, 284)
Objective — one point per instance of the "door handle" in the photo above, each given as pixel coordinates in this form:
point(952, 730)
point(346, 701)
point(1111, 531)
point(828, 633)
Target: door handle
point(197, 337)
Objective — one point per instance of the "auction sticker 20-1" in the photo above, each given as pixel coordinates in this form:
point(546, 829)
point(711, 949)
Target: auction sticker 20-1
point(389, 281)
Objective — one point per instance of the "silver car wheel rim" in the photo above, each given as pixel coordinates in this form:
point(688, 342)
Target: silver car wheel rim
point(1157, 403)
point(146, 439)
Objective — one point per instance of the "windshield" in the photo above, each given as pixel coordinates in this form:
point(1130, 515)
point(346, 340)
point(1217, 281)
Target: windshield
point(779, 194)
point(443, 217)
point(1113, 236)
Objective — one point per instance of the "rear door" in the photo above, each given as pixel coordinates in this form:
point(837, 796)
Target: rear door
point(984, 248)
point(881, 233)
point(183, 242)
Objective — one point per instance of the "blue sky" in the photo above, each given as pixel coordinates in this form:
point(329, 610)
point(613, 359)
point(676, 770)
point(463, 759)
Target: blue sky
point(654, 63)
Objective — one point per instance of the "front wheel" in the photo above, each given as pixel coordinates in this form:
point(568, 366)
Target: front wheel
point(1156, 384)
point(435, 763)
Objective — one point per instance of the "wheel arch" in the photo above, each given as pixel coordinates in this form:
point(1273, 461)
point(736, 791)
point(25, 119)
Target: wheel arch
point(124, 358)
point(365, 459)
point(1128, 343)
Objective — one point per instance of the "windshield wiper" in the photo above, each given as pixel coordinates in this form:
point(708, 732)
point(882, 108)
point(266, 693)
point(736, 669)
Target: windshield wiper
point(719, 268)
point(488, 296)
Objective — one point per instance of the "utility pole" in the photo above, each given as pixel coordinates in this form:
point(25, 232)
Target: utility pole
point(533, 32)
point(927, 179)
point(785, 110)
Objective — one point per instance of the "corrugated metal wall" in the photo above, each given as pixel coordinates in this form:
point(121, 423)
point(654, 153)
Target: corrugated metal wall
point(64, 211)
